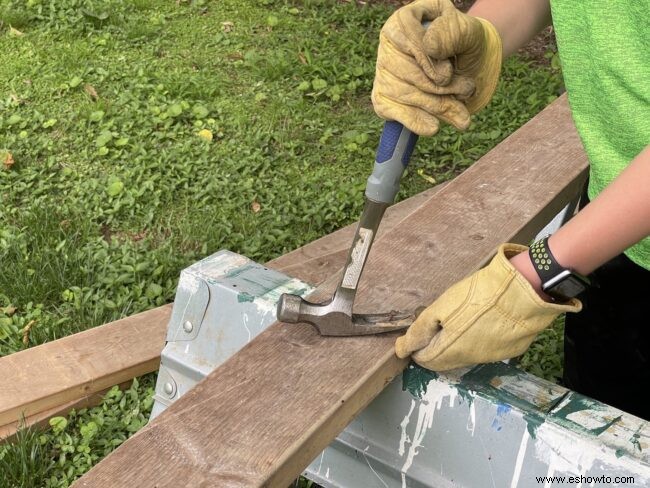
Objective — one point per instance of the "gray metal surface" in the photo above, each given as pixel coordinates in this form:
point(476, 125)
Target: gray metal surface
point(559, 220)
point(221, 303)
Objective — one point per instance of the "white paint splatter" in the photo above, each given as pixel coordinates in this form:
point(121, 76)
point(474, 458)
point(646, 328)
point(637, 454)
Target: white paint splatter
point(404, 437)
point(431, 401)
point(372, 469)
point(471, 419)
point(520, 459)
point(549, 473)
point(245, 322)
point(565, 452)
point(189, 283)
point(220, 264)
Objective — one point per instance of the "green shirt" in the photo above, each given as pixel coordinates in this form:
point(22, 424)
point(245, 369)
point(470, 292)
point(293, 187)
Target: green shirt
point(604, 47)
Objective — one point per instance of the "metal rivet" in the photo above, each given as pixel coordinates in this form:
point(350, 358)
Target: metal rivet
point(169, 389)
point(187, 326)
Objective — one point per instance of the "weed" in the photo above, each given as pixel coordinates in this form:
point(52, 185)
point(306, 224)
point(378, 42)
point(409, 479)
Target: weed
point(73, 444)
point(545, 356)
point(23, 461)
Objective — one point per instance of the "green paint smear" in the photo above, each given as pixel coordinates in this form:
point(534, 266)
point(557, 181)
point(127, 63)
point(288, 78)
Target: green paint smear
point(415, 379)
point(577, 402)
point(479, 382)
point(533, 422)
point(302, 291)
point(599, 430)
point(245, 297)
point(635, 441)
point(238, 271)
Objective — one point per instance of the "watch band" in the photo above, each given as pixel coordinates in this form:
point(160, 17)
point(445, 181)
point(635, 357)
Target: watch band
point(544, 261)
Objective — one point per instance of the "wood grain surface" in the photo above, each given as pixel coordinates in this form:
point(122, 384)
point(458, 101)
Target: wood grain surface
point(262, 416)
point(68, 370)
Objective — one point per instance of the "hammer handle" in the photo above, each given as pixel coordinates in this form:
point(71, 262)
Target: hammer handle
point(393, 154)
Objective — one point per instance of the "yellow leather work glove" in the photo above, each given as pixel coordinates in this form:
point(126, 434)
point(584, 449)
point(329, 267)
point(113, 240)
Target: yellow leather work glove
point(445, 72)
point(491, 315)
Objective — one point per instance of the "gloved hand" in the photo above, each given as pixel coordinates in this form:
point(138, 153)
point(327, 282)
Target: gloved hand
point(424, 75)
point(491, 315)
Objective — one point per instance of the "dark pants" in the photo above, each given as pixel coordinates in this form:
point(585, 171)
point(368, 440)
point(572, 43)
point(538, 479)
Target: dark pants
point(607, 345)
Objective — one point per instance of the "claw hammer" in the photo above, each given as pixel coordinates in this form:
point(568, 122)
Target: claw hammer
point(335, 317)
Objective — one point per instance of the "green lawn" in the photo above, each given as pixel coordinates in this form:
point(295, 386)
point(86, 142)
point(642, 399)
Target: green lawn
point(110, 184)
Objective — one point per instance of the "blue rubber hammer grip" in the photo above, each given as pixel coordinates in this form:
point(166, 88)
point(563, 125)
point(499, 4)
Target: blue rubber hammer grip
point(393, 155)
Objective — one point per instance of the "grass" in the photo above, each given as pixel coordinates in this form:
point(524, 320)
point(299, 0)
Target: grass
point(74, 443)
point(137, 137)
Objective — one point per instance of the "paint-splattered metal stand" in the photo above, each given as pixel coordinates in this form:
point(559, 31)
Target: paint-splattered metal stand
point(489, 426)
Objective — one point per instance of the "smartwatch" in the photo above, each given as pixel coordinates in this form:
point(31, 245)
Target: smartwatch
point(558, 282)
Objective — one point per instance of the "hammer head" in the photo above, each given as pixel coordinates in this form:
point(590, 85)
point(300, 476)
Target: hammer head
point(335, 317)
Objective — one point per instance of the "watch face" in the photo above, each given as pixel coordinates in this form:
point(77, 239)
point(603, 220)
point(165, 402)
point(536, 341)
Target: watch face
point(568, 287)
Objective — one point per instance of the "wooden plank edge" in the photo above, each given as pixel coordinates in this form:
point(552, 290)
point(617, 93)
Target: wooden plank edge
point(69, 396)
point(147, 342)
point(40, 420)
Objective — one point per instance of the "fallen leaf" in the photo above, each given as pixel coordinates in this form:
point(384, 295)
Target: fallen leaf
point(255, 206)
point(138, 236)
point(90, 90)
point(227, 26)
point(26, 330)
point(206, 135)
point(8, 311)
point(302, 58)
point(426, 177)
point(236, 56)
point(7, 160)
point(15, 32)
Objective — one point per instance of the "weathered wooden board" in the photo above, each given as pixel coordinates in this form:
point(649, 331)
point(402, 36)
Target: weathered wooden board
point(262, 416)
point(69, 369)
point(81, 365)
point(41, 419)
